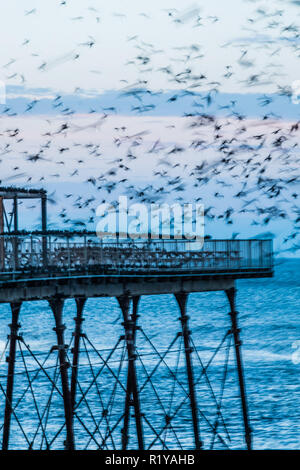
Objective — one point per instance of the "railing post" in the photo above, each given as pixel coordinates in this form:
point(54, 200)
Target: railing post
point(270, 255)
point(31, 250)
point(261, 260)
point(68, 255)
point(102, 254)
point(239, 253)
point(118, 256)
point(85, 254)
point(249, 254)
point(44, 229)
point(16, 228)
point(228, 253)
point(13, 337)
point(238, 356)
point(56, 305)
point(15, 252)
point(182, 301)
point(2, 254)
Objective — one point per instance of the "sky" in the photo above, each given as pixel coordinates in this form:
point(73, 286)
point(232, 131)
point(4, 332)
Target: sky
point(58, 31)
point(130, 81)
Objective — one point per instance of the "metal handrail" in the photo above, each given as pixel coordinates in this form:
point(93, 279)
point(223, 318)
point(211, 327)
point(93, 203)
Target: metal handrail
point(72, 252)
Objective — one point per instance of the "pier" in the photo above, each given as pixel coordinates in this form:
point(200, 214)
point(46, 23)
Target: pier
point(55, 266)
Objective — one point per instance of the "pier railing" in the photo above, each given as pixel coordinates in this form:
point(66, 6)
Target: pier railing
point(83, 252)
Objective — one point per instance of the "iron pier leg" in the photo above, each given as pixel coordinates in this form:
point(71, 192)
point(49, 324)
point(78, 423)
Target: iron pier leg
point(124, 304)
point(57, 308)
point(132, 394)
point(13, 337)
point(182, 301)
point(237, 343)
point(136, 400)
point(80, 302)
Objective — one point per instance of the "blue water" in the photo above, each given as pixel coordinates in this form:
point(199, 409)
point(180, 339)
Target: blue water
point(269, 321)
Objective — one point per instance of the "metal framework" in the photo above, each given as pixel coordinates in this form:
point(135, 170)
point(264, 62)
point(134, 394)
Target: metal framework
point(9, 222)
point(133, 395)
point(138, 392)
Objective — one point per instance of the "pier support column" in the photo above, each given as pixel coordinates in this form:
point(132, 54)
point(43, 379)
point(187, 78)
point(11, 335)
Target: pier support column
point(80, 302)
point(132, 394)
point(13, 337)
point(238, 356)
point(57, 308)
point(182, 301)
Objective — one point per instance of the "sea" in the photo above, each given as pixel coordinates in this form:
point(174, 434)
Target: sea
point(270, 333)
